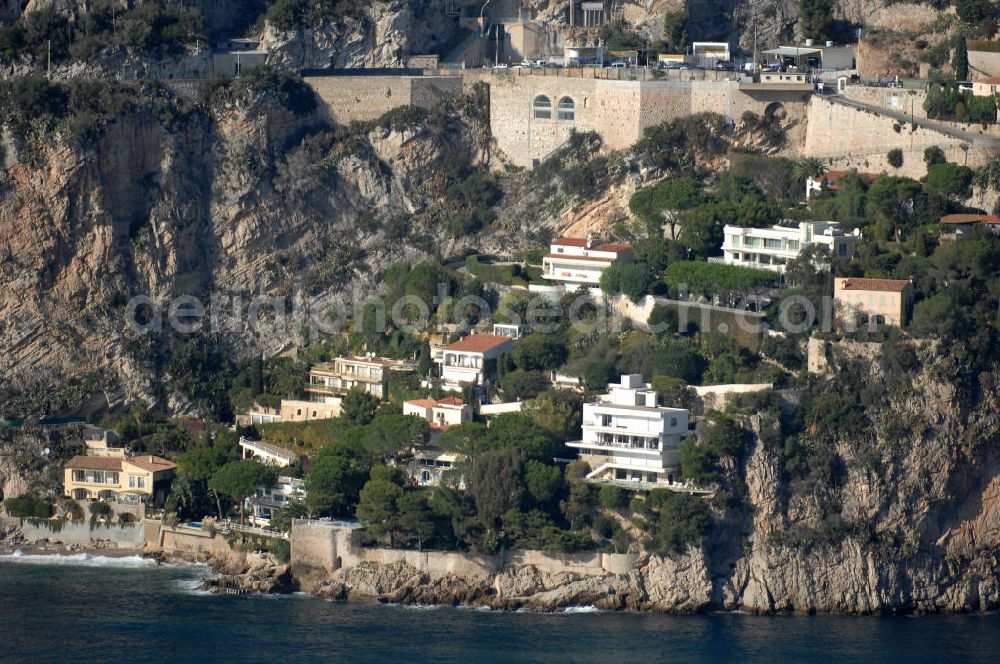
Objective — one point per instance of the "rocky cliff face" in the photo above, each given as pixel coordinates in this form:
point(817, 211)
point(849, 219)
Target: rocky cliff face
point(244, 197)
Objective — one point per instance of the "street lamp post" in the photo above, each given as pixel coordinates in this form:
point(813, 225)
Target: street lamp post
point(481, 12)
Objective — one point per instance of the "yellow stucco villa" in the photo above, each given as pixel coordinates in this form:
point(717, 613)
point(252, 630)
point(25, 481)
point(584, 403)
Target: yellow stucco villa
point(118, 477)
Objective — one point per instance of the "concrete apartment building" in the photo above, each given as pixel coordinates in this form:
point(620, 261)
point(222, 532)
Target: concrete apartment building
point(439, 413)
point(472, 360)
point(884, 301)
point(628, 437)
point(772, 248)
point(114, 476)
point(576, 262)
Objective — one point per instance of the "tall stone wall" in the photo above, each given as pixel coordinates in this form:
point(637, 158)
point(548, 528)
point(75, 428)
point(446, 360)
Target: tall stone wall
point(983, 64)
point(618, 111)
point(847, 137)
point(351, 98)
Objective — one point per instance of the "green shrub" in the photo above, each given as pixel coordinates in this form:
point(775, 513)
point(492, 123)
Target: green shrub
point(895, 157)
point(613, 497)
point(28, 506)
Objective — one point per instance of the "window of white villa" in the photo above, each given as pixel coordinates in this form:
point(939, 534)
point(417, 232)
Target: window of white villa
point(542, 107)
point(567, 109)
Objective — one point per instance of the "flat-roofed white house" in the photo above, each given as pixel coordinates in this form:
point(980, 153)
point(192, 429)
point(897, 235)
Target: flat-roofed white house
point(439, 413)
point(575, 261)
point(772, 248)
point(472, 360)
point(628, 437)
point(334, 379)
point(266, 453)
point(266, 503)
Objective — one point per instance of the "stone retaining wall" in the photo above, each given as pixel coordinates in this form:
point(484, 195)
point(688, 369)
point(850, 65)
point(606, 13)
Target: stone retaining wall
point(82, 532)
point(359, 98)
point(321, 549)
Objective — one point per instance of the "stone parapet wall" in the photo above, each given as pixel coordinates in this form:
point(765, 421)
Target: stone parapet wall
point(900, 100)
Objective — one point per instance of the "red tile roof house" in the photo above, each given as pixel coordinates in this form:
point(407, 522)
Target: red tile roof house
point(472, 360)
point(441, 413)
point(885, 301)
point(829, 181)
point(962, 226)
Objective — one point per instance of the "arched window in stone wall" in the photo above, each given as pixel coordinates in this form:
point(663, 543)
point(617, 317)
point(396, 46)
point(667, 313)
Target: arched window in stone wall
point(542, 107)
point(566, 109)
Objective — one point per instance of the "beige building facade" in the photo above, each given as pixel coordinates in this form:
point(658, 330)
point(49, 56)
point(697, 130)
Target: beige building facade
point(440, 413)
point(884, 301)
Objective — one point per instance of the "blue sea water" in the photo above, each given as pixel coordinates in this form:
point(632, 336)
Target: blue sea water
point(84, 609)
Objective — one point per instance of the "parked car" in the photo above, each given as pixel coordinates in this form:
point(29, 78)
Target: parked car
point(618, 64)
point(502, 65)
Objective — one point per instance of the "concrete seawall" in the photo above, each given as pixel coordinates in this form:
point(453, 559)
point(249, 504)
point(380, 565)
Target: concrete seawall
point(320, 549)
point(82, 532)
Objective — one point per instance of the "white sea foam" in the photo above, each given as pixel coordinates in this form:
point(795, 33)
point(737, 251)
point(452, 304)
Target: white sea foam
point(581, 609)
point(77, 560)
point(192, 586)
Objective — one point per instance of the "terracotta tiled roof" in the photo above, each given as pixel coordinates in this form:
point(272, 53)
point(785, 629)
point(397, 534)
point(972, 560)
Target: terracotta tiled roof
point(597, 246)
point(479, 343)
point(571, 241)
point(153, 464)
point(450, 401)
point(831, 177)
point(860, 284)
point(970, 219)
point(95, 463)
point(422, 403)
point(988, 79)
point(613, 246)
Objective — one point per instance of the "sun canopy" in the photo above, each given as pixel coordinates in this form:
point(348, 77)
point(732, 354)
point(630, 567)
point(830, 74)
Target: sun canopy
point(793, 51)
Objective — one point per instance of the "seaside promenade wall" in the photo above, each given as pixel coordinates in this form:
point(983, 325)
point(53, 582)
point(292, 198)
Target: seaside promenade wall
point(321, 548)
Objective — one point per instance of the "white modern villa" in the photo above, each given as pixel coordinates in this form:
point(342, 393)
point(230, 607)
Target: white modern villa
point(576, 262)
point(772, 248)
point(266, 503)
point(628, 437)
